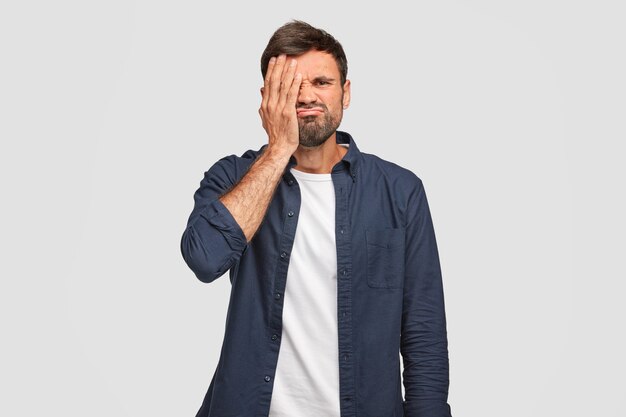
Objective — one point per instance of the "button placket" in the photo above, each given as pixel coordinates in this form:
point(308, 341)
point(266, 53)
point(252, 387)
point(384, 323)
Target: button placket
point(343, 185)
point(289, 208)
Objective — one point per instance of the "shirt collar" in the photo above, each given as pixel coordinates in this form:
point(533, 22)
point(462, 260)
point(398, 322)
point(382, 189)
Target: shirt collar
point(351, 158)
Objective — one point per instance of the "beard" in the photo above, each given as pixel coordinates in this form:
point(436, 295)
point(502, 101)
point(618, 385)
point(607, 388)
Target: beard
point(315, 130)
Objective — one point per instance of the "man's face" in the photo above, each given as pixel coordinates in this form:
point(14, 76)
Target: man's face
point(321, 99)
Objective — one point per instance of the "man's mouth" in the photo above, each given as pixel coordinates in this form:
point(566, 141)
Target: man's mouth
point(304, 112)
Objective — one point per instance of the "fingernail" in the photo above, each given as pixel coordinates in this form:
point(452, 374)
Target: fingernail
point(293, 63)
point(272, 60)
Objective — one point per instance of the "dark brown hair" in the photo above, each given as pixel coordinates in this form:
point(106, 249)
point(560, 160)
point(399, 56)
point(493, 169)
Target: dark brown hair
point(297, 37)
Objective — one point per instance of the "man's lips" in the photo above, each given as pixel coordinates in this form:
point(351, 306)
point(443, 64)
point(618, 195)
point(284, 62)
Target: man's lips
point(310, 112)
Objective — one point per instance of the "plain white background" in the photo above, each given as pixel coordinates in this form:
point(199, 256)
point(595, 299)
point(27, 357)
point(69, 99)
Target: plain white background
point(511, 112)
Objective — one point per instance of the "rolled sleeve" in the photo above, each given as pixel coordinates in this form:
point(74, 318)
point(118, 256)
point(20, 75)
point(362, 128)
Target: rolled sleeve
point(213, 240)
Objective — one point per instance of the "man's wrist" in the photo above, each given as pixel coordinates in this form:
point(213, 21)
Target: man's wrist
point(278, 154)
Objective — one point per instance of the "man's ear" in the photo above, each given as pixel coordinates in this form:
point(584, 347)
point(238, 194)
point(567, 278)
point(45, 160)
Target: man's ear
point(346, 94)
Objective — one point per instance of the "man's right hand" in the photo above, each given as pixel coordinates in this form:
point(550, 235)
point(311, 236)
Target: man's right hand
point(250, 197)
point(278, 107)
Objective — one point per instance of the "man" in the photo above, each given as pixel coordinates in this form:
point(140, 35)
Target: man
point(332, 258)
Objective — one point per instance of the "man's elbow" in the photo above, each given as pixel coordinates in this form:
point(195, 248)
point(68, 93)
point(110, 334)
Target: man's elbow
point(206, 265)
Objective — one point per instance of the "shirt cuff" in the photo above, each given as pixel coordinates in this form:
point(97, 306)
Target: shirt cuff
point(427, 408)
point(219, 217)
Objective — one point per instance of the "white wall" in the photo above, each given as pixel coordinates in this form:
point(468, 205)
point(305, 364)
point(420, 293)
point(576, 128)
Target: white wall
point(512, 113)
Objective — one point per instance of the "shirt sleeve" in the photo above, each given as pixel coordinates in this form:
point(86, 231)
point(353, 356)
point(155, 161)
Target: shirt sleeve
point(424, 344)
point(213, 240)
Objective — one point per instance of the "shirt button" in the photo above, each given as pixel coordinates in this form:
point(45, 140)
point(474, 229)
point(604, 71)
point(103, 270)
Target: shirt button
point(344, 272)
point(277, 296)
point(283, 255)
point(345, 357)
point(267, 378)
point(290, 214)
point(274, 337)
point(347, 399)
point(341, 231)
point(290, 181)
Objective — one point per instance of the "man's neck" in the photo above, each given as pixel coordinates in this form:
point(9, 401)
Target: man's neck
point(321, 159)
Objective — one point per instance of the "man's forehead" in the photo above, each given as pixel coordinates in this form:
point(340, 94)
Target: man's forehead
point(317, 63)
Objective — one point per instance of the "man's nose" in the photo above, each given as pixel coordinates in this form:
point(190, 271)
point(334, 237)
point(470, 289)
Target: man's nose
point(306, 94)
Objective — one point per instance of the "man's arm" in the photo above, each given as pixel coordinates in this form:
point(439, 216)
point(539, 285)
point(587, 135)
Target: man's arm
point(249, 200)
point(424, 344)
point(224, 223)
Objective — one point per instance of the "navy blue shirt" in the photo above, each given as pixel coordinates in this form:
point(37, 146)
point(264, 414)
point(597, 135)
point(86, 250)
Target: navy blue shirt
point(389, 289)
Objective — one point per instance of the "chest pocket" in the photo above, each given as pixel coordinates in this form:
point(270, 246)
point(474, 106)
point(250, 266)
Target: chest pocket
point(385, 257)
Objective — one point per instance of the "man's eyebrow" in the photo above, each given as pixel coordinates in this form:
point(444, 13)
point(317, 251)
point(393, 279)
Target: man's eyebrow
point(323, 78)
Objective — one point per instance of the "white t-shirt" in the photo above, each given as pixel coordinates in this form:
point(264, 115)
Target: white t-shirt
point(307, 374)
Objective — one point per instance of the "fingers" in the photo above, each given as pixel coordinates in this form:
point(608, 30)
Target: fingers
point(283, 82)
point(262, 114)
point(278, 79)
point(268, 73)
point(275, 78)
point(279, 94)
point(287, 82)
point(266, 84)
point(292, 94)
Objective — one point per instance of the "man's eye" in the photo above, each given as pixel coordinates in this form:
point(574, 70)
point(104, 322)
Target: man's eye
point(323, 83)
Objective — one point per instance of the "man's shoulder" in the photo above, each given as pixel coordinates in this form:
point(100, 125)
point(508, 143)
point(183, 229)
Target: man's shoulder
point(232, 167)
point(245, 158)
point(374, 165)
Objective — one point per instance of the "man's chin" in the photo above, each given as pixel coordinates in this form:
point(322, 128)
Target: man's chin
point(310, 144)
point(308, 119)
point(315, 136)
